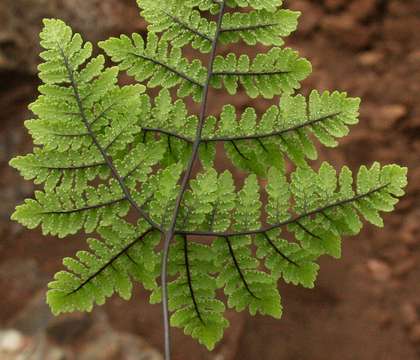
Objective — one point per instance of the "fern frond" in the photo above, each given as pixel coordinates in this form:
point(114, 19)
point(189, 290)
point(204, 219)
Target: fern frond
point(322, 204)
point(180, 24)
point(327, 208)
point(255, 145)
point(213, 5)
point(269, 5)
point(137, 170)
point(84, 111)
point(209, 202)
point(287, 260)
point(267, 28)
point(242, 282)
point(153, 62)
point(244, 285)
point(62, 213)
point(277, 72)
point(74, 169)
point(70, 168)
point(59, 125)
point(332, 207)
point(124, 253)
point(192, 294)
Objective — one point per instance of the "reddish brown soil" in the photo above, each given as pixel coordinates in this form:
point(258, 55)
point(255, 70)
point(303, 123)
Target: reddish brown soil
point(365, 306)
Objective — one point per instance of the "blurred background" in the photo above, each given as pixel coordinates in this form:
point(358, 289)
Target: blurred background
point(365, 307)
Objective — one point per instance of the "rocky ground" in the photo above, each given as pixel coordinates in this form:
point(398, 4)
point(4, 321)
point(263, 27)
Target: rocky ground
point(365, 307)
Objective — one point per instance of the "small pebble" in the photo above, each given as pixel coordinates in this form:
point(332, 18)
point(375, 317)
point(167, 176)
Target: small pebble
point(409, 314)
point(11, 341)
point(379, 270)
point(370, 58)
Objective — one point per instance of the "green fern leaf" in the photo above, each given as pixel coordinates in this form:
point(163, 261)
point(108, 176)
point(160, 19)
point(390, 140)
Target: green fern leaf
point(62, 214)
point(180, 24)
point(290, 261)
point(125, 253)
point(153, 62)
point(244, 285)
point(261, 26)
point(84, 113)
point(139, 171)
point(242, 282)
point(213, 5)
point(192, 294)
point(270, 5)
point(277, 72)
point(257, 144)
point(328, 207)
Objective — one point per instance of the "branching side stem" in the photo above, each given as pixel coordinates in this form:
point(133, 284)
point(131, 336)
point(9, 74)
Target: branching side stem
point(293, 220)
point(245, 137)
point(238, 268)
point(170, 68)
point(187, 27)
point(86, 208)
point(249, 27)
point(101, 149)
point(278, 251)
point(189, 279)
point(111, 261)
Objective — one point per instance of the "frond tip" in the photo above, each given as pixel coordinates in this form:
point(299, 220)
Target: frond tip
point(180, 24)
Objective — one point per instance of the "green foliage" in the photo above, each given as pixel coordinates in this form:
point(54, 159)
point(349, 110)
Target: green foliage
point(154, 62)
point(258, 144)
point(259, 26)
point(64, 213)
point(180, 24)
point(244, 285)
point(269, 5)
point(125, 252)
point(193, 294)
point(116, 162)
point(183, 25)
point(277, 72)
